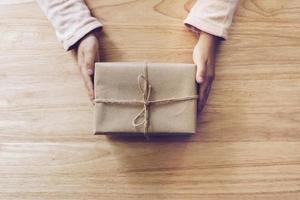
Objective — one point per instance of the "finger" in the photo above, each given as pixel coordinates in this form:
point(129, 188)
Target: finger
point(88, 82)
point(200, 62)
point(89, 60)
point(86, 78)
point(200, 73)
point(204, 91)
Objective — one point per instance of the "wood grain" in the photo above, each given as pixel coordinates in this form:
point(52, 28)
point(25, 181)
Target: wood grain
point(248, 141)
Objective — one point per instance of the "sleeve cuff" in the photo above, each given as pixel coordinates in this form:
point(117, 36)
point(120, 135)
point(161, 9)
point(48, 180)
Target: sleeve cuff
point(69, 42)
point(202, 25)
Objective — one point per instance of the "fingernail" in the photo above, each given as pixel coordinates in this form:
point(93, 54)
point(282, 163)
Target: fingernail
point(199, 79)
point(90, 72)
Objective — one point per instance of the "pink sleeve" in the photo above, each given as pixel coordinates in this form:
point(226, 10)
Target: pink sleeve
point(71, 19)
point(212, 16)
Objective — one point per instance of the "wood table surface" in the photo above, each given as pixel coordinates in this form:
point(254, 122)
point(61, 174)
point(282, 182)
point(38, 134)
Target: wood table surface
point(248, 141)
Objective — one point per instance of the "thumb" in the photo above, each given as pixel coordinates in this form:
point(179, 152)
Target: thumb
point(200, 73)
point(89, 60)
point(200, 62)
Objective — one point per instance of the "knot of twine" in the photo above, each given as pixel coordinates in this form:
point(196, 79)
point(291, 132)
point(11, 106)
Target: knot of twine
point(145, 89)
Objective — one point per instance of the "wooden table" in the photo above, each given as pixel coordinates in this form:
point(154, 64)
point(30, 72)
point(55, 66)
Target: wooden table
point(248, 141)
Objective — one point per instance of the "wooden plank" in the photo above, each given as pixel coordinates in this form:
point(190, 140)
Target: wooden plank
point(112, 170)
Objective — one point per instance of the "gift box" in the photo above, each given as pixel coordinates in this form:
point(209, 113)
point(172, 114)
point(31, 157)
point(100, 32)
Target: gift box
point(145, 98)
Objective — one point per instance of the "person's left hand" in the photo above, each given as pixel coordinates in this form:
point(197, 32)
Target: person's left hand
point(87, 55)
point(204, 57)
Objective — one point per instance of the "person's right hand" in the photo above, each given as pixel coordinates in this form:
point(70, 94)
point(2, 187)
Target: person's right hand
point(87, 55)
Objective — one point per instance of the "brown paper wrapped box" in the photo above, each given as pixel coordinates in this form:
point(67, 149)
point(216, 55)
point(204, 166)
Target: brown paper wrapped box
point(145, 98)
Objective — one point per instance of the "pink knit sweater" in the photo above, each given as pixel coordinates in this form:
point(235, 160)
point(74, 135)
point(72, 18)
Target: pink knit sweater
point(72, 19)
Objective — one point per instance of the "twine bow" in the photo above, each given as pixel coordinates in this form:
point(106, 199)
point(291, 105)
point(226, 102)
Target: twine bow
point(146, 90)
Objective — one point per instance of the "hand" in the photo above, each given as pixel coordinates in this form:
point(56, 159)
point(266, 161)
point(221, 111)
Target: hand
point(87, 55)
point(204, 57)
